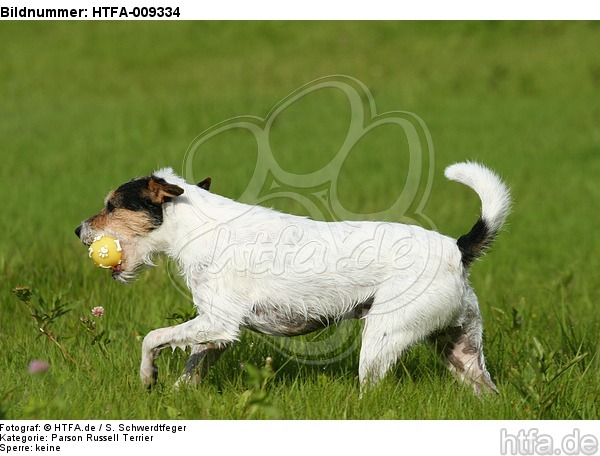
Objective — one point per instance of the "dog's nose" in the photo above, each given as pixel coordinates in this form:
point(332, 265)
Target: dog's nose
point(78, 231)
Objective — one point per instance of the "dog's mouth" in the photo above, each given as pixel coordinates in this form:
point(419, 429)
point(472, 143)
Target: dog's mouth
point(119, 274)
point(86, 241)
point(124, 275)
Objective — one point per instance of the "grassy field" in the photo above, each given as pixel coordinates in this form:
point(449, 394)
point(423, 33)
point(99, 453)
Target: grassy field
point(86, 106)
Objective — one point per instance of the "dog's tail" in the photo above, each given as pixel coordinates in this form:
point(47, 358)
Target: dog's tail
point(495, 206)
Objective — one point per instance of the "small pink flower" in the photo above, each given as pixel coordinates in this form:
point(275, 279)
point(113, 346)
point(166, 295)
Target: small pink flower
point(37, 366)
point(98, 311)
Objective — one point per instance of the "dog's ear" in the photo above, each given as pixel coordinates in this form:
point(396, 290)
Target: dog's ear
point(161, 191)
point(205, 184)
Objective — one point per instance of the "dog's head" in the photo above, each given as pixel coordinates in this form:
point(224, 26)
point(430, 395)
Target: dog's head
point(131, 213)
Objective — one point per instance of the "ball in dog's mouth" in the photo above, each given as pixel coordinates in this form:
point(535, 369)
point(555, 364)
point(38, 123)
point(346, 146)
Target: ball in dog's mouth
point(106, 252)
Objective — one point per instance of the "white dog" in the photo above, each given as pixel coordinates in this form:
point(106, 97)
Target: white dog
point(279, 274)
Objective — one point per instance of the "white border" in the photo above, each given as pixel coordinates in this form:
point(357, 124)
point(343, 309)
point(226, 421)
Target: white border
point(448, 438)
point(348, 9)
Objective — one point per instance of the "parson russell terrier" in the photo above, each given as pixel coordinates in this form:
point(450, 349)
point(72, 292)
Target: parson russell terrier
point(285, 275)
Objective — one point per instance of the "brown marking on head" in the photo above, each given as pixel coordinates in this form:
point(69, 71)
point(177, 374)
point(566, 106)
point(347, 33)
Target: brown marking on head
point(135, 208)
point(129, 224)
point(123, 222)
point(160, 192)
point(98, 221)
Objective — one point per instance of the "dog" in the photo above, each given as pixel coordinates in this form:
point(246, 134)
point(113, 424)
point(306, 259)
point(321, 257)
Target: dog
point(285, 275)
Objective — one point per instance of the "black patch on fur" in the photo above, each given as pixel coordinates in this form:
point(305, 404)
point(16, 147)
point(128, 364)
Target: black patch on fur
point(271, 321)
point(133, 196)
point(362, 309)
point(205, 184)
point(475, 243)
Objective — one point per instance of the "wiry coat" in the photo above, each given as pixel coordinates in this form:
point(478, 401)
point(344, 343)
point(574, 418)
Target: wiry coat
point(279, 274)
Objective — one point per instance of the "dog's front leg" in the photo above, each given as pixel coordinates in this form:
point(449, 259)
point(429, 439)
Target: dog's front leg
point(201, 359)
point(200, 330)
point(153, 343)
point(148, 368)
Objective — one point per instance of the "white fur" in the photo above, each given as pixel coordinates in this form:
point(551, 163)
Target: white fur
point(494, 195)
point(253, 267)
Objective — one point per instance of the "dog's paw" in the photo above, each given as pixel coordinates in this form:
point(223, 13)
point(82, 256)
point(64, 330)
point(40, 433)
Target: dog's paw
point(484, 386)
point(187, 380)
point(149, 376)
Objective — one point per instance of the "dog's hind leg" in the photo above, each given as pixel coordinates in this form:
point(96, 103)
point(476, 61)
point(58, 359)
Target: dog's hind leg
point(461, 348)
point(381, 347)
point(202, 357)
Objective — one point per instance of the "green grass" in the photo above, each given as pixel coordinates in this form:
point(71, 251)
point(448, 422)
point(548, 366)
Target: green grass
point(86, 106)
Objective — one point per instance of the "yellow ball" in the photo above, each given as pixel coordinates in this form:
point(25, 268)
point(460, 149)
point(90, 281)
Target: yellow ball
point(106, 252)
